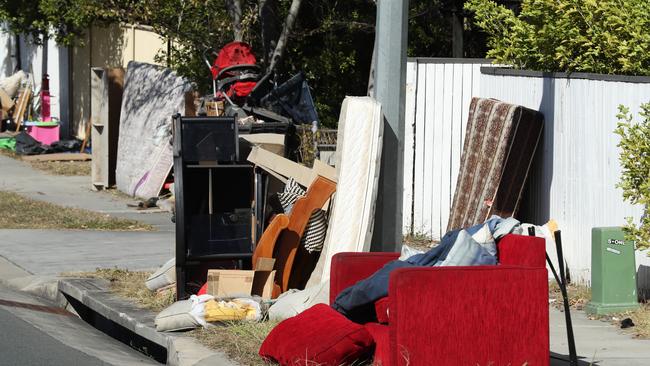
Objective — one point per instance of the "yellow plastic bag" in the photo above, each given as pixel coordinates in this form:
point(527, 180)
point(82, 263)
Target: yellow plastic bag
point(237, 309)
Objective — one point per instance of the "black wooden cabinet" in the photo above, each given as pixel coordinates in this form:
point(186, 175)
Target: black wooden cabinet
point(215, 193)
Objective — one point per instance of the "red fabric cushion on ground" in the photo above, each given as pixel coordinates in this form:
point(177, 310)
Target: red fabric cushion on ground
point(319, 335)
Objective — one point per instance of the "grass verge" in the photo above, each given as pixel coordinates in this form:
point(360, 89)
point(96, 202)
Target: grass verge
point(130, 285)
point(239, 340)
point(580, 295)
point(18, 212)
point(67, 168)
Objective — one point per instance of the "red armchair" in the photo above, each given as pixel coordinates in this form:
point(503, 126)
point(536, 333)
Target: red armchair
point(482, 315)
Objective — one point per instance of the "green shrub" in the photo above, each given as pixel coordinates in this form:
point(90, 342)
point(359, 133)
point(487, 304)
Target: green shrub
point(598, 36)
point(635, 162)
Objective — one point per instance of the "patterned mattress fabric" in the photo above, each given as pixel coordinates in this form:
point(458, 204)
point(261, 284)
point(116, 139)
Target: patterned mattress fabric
point(500, 142)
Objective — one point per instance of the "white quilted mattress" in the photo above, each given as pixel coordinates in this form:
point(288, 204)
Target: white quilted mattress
point(358, 157)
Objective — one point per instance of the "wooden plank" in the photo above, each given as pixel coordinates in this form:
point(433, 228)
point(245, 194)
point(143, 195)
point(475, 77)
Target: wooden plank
point(457, 126)
point(21, 107)
point(287, 168)
point(420, 148)
point(58, 157)
point(87, 136)
point(273, 142)
point(409, 145)
point(428, 147)
point(438, 146)
point(446, 147)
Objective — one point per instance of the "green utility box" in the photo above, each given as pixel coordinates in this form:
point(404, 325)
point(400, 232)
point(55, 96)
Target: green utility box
point(613, 272)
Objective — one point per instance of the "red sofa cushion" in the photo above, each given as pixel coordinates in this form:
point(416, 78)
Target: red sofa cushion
point(482, 315)
point(519, 250)
point(381, 309)
point(319, 335)
point(349, 268)
point(380, 334)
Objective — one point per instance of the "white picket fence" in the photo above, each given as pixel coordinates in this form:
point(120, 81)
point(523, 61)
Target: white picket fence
point(574, 176)
point(438, 93)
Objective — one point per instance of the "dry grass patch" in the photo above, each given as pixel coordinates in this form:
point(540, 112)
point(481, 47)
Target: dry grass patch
point(131, 285)
point(239, 340)
point(579, 295)
point(67, 168)
point(18, 212)
point(419, 241)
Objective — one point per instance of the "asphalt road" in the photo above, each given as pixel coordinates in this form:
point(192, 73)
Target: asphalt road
point(22, 344)
point(34, 333)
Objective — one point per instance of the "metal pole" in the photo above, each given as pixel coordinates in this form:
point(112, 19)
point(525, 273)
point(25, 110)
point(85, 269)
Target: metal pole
point(573, 356)
point(390, 89)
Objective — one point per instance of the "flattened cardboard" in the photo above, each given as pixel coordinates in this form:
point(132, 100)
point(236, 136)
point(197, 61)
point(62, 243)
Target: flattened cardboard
point(229, 282)
point(233, 283)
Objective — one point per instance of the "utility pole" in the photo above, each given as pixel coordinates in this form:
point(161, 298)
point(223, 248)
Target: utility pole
point(389, 90)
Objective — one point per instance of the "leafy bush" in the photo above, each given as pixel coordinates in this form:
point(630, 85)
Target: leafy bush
point(635, 161)
point(599, 36)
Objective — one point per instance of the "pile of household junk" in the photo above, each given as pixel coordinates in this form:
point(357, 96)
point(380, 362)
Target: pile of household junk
point(257, 222)
point(255, 230)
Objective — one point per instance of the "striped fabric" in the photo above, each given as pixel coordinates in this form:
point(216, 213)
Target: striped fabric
point(314, 234)
point(500, 142)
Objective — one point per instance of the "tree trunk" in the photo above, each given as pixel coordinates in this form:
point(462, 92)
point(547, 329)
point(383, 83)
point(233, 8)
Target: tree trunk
point(234, 10)
point(270, 27)
point(281, 46)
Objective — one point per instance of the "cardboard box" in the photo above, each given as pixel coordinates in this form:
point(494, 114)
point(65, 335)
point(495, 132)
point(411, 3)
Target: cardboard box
point(233, 283)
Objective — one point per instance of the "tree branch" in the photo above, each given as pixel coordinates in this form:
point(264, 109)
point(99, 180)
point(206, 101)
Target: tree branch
point(286, 30)
point(234, 10)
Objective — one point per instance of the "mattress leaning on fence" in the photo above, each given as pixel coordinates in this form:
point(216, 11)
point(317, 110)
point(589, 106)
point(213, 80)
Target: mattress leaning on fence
point(500, 143)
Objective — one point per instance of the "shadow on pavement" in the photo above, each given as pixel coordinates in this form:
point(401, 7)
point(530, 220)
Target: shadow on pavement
point(558, 359)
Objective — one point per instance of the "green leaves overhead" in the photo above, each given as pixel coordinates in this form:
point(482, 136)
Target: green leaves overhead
point(605, 36)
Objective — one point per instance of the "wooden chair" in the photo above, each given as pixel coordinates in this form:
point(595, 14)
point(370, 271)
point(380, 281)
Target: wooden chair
point(281, 239)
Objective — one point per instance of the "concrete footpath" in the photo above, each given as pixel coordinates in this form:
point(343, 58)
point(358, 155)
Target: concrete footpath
point(597, 342)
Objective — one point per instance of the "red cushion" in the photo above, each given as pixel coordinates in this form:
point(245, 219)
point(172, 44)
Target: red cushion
point(319, 335)
point(520, 250)
point(491, 315)
point(381, 308)
point(379, 334)
point(350, 268)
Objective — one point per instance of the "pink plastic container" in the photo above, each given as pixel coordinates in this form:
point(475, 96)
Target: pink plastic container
point(45, 135)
